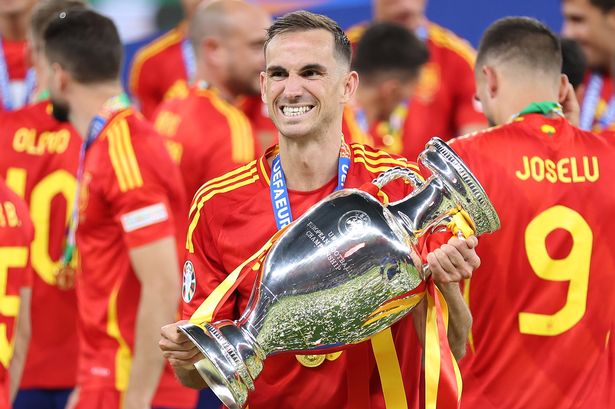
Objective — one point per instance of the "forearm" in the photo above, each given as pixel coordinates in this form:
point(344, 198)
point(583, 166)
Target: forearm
point(22, 340)
point(155, 309)
point(460, 318)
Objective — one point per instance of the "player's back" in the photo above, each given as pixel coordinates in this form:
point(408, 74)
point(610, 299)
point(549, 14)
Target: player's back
point(542, 299)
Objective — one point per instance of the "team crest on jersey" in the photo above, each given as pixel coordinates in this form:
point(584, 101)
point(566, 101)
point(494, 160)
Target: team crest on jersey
point(189, 284)
point(429, 82)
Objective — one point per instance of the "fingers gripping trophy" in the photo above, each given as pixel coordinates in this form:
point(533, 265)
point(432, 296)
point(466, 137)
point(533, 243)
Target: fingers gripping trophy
point(347, 269)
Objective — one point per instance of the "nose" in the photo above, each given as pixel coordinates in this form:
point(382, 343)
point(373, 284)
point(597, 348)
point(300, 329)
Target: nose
point(293, 87)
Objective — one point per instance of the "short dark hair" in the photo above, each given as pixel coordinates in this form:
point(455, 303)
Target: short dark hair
point(46, 11)
point(574, 62)
point(522, 40)
point(387, 48)
point(303, 21)
point(604, 5)
point(86, 44)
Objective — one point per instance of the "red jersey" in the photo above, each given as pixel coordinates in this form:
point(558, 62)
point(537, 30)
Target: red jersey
point(202, 155)
point(544, 291)
point(39, 161)
point(158, 71)
point(265, 132)
point(16, 232)
point(231, 218)
point(17, 67)
point(130, 196)
point(597, 102)
point(443, 102)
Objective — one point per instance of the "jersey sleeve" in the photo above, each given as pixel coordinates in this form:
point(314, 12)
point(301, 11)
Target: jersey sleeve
point(137, 193)
point(143, 87)
point(203, 271)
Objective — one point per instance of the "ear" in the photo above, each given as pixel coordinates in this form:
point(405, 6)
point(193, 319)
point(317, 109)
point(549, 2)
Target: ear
point(210, 47)
point(492, 80)
point(350, 86)
point(59, 77)
point(263, 82)
point(610, 18)
point(563, 90)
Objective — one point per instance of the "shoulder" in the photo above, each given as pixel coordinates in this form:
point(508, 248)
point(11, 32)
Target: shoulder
point(375, 161)
point(451, 44)
point(154, 49)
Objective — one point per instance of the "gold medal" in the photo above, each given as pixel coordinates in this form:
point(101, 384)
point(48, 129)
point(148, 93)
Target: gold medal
point(65, 278)
point(311, 361)
point(333, 356)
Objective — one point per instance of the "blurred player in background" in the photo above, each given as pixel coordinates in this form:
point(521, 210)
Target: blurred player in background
point(164, 68)
point(17, 80)
point(16, 233)
point(548, 296)
point(388, 58)
point(39, 162)
point(130, 194)
point(443, 102)
point(590, 23)
point(207, 135)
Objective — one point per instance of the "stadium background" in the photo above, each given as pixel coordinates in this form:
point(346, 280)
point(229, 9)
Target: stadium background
point(140, 21)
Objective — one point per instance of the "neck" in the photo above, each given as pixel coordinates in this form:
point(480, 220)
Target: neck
point(207, 75)
point(520, 97)
point(309, 165)
point(87, 102)
point(14, 26)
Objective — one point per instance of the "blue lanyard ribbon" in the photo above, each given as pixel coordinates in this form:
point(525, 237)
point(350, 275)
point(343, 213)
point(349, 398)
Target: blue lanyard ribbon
point(189, 60)
point(97, 125)
point(5, 84)
point(590, 104)
point(279, 191)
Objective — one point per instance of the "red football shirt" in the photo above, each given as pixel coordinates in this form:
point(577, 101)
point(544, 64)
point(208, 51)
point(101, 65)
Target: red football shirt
point(15, 55)
point(39, 162)
point(158, 71)
point(16, 232)
point(443, 102)
point(600, 105)
point(542, 299)
point(231, 218)
point(131, 195)
point(205, 136)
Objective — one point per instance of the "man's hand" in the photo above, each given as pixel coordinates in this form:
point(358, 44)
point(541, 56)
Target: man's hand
point(454, 261)
point(570, 106)
point(177, 348)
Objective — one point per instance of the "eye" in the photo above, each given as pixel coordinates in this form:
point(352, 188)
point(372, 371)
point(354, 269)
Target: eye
point(310, 74)
point(277, 74)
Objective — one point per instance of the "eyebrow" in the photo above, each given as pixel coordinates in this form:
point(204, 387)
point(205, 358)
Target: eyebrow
point(315, 67)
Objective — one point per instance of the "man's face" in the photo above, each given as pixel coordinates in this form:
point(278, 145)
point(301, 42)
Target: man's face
point(244, 51)
point(589, 26)
point(16, 7)
point(305, 83)
point(60, 108)
point(408, 13)
point(482, 96)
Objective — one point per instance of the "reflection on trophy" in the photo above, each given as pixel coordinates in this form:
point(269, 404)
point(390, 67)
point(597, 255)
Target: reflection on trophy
point(346, 270)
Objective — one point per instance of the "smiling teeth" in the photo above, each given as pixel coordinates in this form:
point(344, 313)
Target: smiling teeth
point(295, 111)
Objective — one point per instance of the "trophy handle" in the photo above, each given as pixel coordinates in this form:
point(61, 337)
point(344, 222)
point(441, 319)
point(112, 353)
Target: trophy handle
point(396, 173)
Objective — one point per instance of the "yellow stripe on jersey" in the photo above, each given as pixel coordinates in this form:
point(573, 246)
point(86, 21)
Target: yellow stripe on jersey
point(261, 163)
point(123, 356)
point(379, 158)
point(122, 155)
point(445, 38)
point(466, 297)
point(227, 178)
point(206, 194)
point(172, 37)
point(242, 140)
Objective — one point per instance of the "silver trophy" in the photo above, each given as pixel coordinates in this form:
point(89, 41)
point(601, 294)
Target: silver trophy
point(327, 280)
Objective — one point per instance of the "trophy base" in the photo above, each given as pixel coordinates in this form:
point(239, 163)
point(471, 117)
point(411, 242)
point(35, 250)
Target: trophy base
point(229, 365)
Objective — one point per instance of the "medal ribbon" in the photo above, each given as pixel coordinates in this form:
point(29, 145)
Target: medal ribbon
point(544, 108)
point(590, 104)
point(5, 84)
point(189, 60)
point(98, 123)
point(279, 191)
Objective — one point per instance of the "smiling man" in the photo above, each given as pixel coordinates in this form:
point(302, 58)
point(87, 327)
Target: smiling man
point(306, 85)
